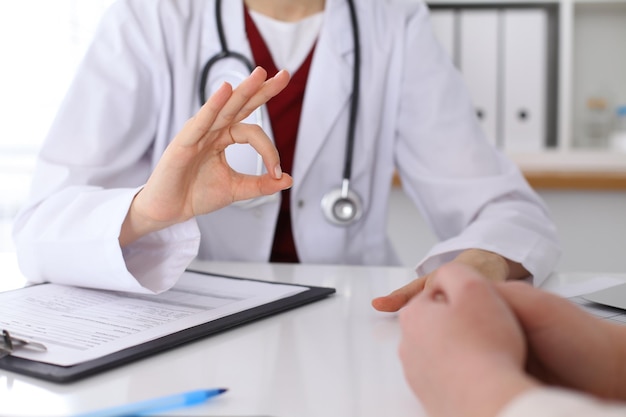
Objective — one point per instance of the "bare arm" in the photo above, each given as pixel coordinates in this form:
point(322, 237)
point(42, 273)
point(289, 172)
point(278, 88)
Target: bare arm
point(561, 335)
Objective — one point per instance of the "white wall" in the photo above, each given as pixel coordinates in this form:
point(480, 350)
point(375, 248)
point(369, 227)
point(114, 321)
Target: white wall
point(591, 225)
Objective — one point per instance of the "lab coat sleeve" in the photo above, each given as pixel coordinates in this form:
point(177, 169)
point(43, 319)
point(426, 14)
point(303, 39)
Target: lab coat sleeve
point(471, 195)
point(553, 402)
point(98, 154)
point(72, 239)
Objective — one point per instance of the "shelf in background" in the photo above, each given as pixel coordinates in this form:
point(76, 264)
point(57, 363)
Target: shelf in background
point(559, 180)
point(574, 170)
point(571, 170)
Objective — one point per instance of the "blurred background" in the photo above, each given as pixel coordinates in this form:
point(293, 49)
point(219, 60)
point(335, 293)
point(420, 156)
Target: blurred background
point(41, 42)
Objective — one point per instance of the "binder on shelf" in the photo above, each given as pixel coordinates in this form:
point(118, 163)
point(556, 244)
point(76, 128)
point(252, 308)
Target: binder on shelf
point(502, 54)
point(525, 74)
point(479, 64)
point(86, 331)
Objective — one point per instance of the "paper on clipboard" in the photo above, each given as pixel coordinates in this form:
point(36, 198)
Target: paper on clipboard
point(78, 325)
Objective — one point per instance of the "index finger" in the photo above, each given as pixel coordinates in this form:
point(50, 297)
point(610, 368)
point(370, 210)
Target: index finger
point(253, 92)
point(268, 90)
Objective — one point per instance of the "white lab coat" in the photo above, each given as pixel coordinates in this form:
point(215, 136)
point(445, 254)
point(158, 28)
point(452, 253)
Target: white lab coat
point(138, 84)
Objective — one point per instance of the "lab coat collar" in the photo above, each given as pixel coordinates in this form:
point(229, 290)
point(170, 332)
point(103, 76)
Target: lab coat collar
point(235, 27)
point(236, 40)
point(330, 77)
point(234, 32)
point(329, 86)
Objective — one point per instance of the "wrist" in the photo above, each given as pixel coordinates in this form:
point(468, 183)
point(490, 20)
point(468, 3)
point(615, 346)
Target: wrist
point(137, 225)
point(488, 264)
point(491, 265)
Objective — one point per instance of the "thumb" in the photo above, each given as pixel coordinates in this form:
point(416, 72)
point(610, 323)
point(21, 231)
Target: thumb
point(400, 297)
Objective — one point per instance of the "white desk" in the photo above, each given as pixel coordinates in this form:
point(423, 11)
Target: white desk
point(335, 357)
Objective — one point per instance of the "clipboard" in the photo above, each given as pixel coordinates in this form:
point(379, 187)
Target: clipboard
point(65, 374)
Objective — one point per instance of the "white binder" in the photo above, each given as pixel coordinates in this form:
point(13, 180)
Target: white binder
point(524, 65)
point(479, 64)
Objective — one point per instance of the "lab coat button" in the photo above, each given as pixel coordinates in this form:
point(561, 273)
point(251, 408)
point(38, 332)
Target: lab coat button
point(300, 203)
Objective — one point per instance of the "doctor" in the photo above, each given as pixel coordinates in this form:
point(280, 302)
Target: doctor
point(105, 208)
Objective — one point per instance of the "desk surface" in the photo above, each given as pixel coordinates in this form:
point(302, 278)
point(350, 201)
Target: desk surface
point(336, 357)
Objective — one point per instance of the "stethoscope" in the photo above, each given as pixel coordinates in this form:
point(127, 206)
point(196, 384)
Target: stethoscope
point(341, 206)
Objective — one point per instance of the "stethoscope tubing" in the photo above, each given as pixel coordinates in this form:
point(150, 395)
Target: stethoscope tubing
point(354, 101)
point(223, 54)
point(343, 195)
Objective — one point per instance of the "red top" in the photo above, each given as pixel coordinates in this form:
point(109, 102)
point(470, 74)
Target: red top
point(284, 113)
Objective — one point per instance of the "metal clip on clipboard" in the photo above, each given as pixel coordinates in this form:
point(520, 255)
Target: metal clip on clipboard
point(9, 343)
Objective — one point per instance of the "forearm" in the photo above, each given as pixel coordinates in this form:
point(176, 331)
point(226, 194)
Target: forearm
point(554, 328)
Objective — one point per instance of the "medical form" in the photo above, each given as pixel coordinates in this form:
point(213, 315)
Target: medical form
point(79, 324)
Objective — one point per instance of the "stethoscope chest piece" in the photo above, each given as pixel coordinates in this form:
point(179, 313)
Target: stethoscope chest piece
point(342, 206)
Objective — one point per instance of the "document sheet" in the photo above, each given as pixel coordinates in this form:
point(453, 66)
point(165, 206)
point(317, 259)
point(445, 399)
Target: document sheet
point(577, 293)
point(78, 324)
point(612, 314)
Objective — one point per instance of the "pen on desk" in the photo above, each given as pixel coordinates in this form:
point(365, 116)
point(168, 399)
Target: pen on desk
point(158, 405)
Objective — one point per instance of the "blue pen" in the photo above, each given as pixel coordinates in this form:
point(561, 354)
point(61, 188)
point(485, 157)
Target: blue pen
point(158, 405)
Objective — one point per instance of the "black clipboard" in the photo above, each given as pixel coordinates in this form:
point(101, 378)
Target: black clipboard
point(64, 374)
